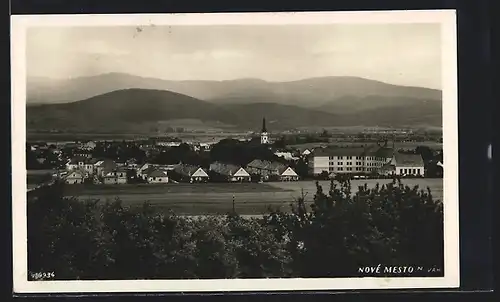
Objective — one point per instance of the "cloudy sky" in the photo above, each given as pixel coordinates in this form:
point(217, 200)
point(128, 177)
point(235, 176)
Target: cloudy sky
point(405, 54)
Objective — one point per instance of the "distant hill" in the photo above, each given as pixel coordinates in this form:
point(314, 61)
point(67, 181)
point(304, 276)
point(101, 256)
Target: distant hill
point(134, 109)
point(121, 109)
point(310, 93)
point(130, 108)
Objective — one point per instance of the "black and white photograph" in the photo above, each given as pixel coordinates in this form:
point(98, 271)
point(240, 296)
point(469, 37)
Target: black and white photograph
point(235, 152)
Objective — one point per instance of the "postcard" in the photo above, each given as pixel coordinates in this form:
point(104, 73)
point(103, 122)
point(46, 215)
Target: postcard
point(235, 152)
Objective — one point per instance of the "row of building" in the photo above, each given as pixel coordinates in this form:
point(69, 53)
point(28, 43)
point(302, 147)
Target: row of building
point(82, 169)
point(368, 160)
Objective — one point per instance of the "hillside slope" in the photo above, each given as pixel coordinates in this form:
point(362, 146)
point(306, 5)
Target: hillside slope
point(122, 108)
point(132, 109)
point(311, 92)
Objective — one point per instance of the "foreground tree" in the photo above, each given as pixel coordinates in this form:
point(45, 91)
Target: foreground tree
point(332, 236)
point(341, 232)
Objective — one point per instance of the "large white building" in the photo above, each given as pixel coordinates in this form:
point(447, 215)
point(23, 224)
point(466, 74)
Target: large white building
point(356, 160)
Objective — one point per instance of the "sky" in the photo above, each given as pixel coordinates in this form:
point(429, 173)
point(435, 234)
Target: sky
point(402, 54)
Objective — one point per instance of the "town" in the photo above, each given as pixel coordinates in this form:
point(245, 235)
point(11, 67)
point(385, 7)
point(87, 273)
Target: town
point(207, 151)
point(256, 159)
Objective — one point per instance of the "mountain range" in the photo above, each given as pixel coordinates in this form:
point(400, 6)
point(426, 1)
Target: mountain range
point(118, 100)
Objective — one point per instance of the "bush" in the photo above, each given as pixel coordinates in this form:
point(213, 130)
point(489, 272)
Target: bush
point(332, 237)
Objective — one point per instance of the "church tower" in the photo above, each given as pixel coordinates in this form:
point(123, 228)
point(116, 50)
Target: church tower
point(264, 138)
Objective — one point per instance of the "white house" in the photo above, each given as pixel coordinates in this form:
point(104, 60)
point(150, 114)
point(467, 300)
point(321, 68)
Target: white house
point(288, 175)
point(157, 176)
point(115, 176)
point(408, 164)
point(74, 177)
point(82, 163)
point(286, 155)
point(228, 172)
point(189, 173)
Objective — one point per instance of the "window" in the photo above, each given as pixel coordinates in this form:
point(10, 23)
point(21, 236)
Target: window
point(159, 179)
point(340, 169)
point(340, 157)
point(340, 163)
point(418, 171)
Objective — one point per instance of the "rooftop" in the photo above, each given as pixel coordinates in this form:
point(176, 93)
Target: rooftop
point(187, 170)
point(405, 159)
point(267, 165)
point(224, 169)
point(373, 150)
point(157, 173)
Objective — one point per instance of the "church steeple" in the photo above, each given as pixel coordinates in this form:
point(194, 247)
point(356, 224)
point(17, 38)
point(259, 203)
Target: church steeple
point(264, 139)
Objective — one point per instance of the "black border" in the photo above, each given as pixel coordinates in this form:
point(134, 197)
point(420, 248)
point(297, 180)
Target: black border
point(475, 116)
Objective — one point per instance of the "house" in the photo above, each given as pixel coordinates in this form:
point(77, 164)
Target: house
point(408, 164)
point(115, 176)
point(157, 176)
point(74, 177)
point(104, 165)
point(286, 155)
point(82, 163)
point(288, 174)
point(131, 163)
point(306, 152)
point(269, 170)
point(189, 173)
point(228, 172)
point(353, 160)
point(142, 171)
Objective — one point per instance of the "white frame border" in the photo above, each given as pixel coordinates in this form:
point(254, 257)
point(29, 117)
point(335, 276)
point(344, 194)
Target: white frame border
point(447, 19)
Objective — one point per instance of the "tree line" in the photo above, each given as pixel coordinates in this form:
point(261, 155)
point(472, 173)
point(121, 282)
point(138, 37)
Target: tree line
point(336, 234)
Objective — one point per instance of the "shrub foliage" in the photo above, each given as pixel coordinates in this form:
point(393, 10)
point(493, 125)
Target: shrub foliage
point(332, 236)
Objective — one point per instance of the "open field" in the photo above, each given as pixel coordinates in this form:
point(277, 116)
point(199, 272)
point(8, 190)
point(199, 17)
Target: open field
point(199, 199)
